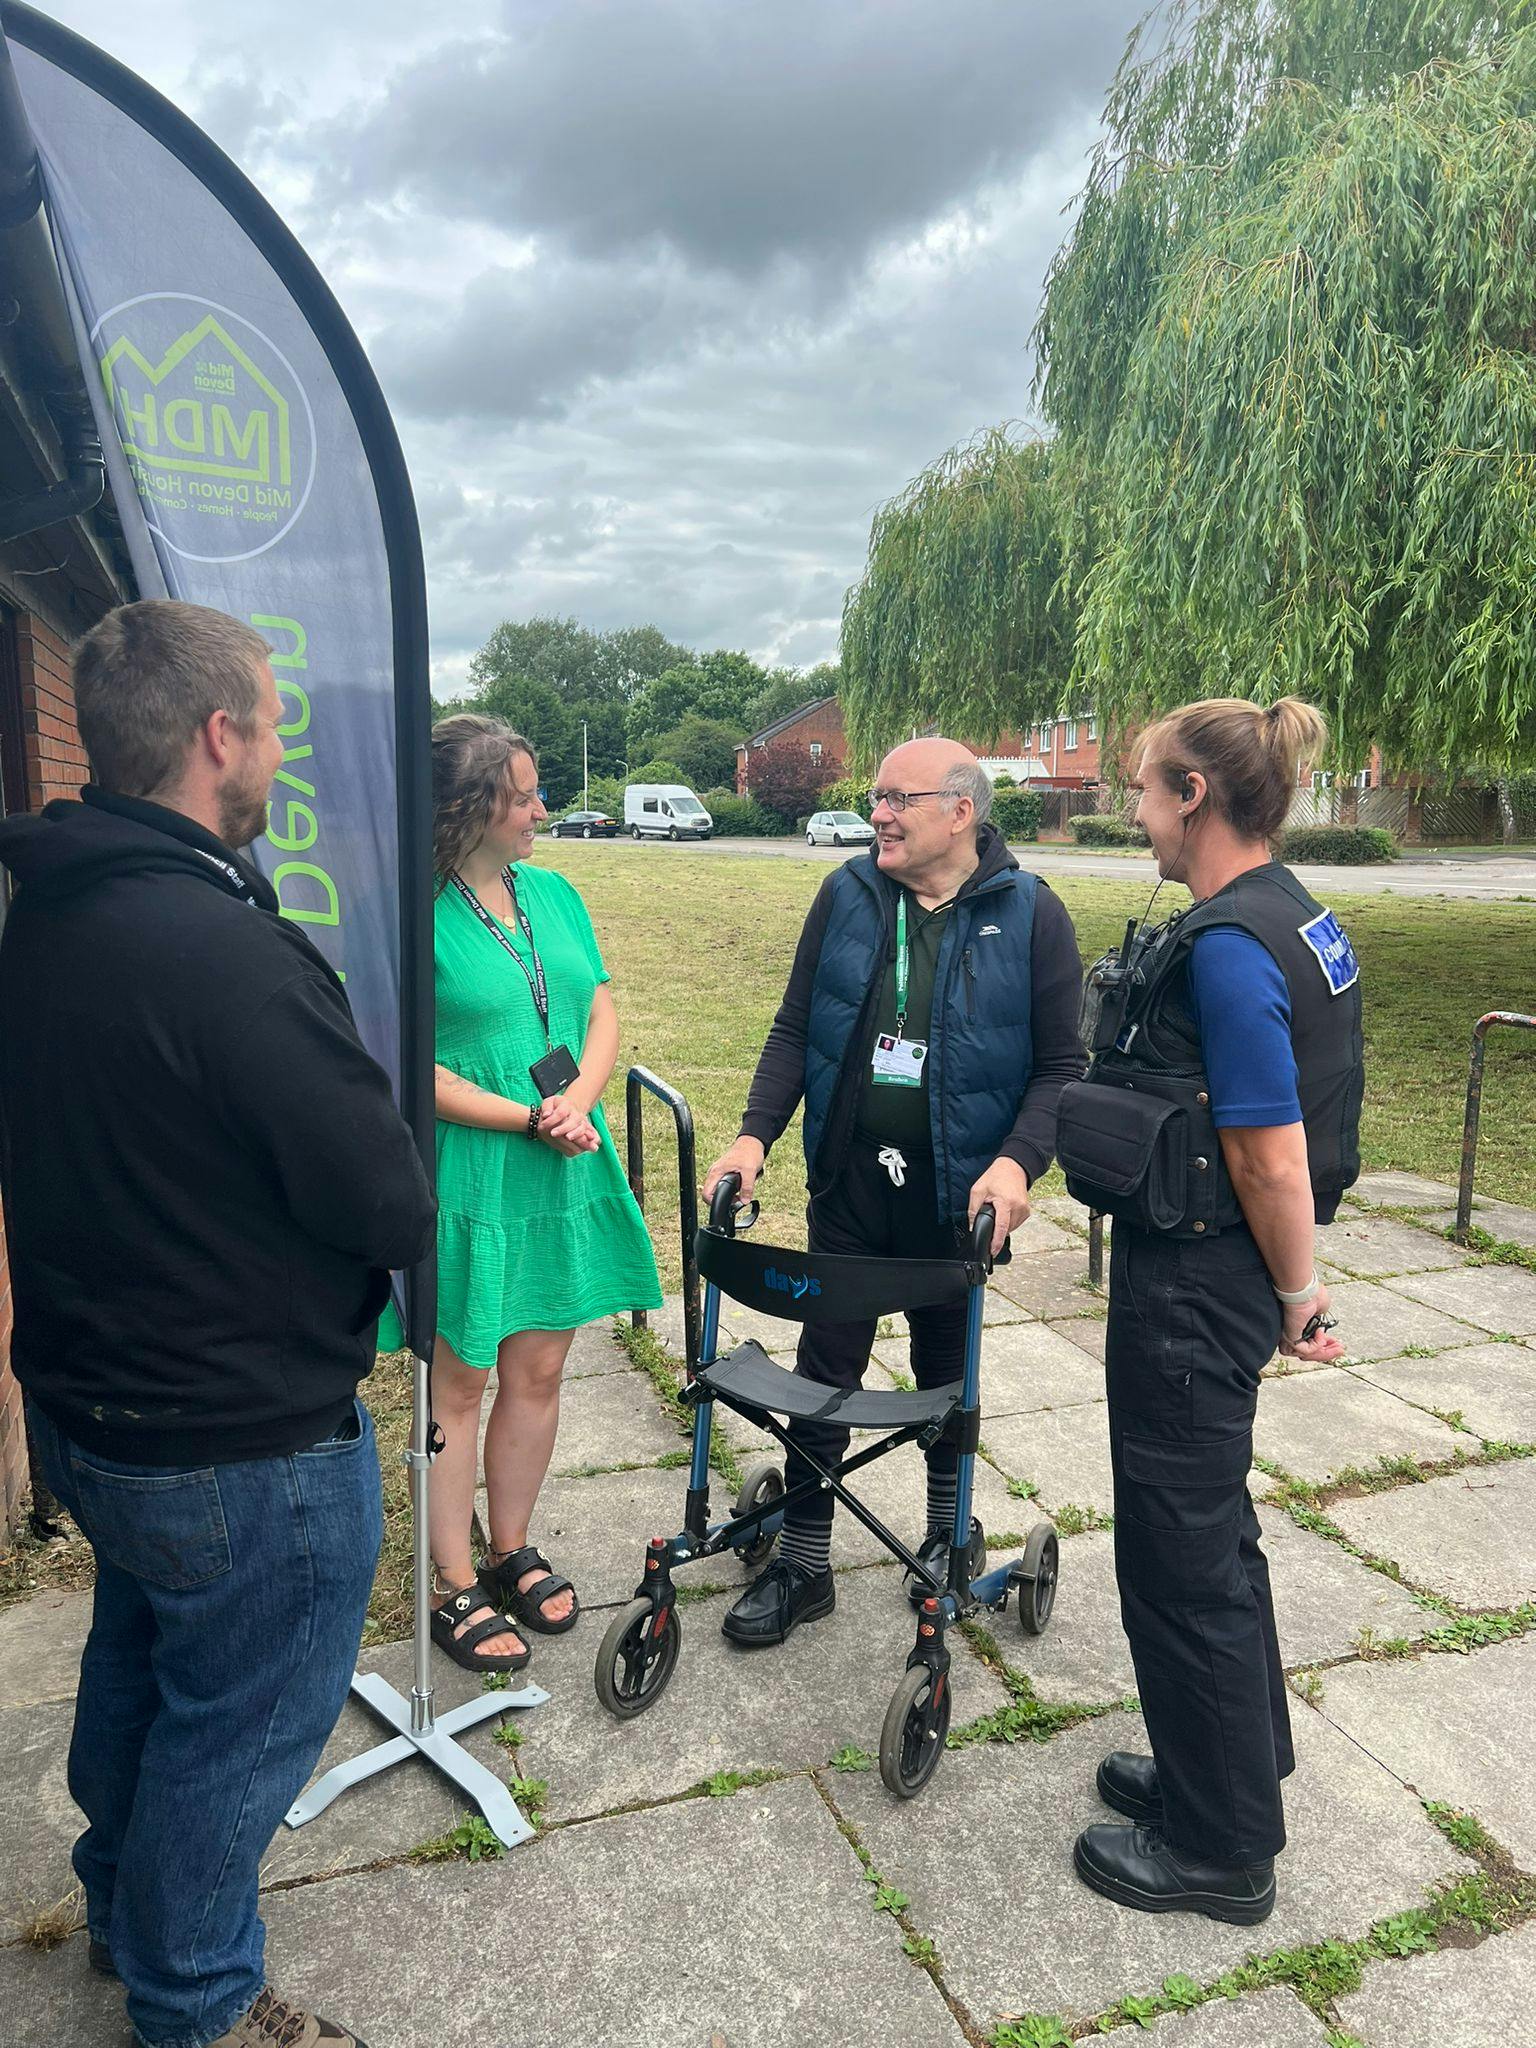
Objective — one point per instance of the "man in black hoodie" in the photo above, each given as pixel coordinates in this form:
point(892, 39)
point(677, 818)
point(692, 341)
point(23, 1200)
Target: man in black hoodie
point(206, 1184)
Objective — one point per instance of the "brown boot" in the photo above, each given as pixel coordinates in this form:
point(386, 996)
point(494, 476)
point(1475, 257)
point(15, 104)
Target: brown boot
point(272, 2023)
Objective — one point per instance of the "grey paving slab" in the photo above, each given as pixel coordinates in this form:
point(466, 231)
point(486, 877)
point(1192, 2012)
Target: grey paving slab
point(745, 1918)
point(38, 1819)
point(53, 2000)
point(1401, 1191)
point(1042, 1233)
point(1367, 1246)
point(1088, 1333)
point(594, 1530)
point(1052, 1285)
point(1446, 1726)
point(1469, 1535)
point(1315, 1424)
point(1266, 2019)
point(1376, 1323)
point(1064, 1452)
point(1482, 1997)
point(1504, 1220)
point(1492, 1387)
point(1489, 1297)
point(995, 1888)
point(1323, 1599)
point(594, 1349)
point(613, 1418)
point(40, 1644)
point(732, 1709)
point(1029, 1366)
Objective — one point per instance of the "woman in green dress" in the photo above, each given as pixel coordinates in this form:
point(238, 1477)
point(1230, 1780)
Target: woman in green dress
point(537, 1229)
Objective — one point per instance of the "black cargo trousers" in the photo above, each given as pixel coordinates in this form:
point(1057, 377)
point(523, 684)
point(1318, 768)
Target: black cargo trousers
point(1192, 1323)
point(865, 1215)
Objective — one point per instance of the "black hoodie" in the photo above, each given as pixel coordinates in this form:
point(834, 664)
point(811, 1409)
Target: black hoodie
point(206, 1180)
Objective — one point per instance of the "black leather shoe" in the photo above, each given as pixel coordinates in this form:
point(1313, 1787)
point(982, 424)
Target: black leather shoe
point(1136, 1867)
point(1129, 1784)
point(776, 1602)
point(933, 1551)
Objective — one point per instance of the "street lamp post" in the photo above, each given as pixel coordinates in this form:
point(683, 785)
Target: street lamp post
point(585, 805)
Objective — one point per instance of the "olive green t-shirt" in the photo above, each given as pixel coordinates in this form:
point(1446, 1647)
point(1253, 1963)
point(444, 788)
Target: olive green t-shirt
point(899, 1116)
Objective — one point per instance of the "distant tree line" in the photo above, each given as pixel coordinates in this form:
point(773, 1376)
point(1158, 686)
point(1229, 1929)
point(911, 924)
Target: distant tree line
point(649, 704)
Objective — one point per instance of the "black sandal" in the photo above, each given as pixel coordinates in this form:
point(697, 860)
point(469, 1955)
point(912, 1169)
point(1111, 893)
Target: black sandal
point(449, 1618)
point(501, 1580)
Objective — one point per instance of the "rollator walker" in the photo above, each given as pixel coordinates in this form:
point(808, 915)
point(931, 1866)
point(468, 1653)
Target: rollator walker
point(639, 1653)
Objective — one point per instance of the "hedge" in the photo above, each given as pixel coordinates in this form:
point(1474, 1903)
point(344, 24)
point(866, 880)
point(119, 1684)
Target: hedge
point(1016, 812)
point(1346, 846)
point(1103, 830)
point(741, 817)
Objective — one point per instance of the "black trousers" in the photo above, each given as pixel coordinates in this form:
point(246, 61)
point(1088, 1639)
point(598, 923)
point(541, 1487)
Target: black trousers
point(865, 1214)
point(1191, 1326)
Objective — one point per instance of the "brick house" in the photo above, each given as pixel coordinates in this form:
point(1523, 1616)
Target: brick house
point(1061, 753)
point(60, 569)
point(818, 728)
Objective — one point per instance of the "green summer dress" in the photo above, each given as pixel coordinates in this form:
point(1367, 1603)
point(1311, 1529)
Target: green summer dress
point(526, 1239)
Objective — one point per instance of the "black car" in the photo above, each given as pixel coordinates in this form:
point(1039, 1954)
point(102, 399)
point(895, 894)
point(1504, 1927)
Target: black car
point(585, 825)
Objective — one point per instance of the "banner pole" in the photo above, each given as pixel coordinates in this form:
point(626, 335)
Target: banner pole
point(419, 1458)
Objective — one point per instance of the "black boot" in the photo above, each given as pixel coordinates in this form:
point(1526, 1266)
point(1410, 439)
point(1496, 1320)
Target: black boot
point(776, 1602)
point(1136, 1867)
point(1129, 1784)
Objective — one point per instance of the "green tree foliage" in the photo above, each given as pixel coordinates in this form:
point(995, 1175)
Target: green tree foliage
point(1287, 352)
point(581, 666)
point(705, 750)
point(721, 685)
point(958, 619)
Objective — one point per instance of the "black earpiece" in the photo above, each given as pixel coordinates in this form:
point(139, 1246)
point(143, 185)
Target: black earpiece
point(1187, 789)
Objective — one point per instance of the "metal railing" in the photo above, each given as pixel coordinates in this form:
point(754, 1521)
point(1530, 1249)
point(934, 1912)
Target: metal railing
point(639, 1082)
point(1518, 1021)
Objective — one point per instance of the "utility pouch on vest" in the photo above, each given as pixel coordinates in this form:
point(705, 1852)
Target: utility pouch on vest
point(1125, 1153)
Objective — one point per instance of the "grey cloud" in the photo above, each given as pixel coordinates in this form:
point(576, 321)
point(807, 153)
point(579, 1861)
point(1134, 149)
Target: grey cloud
point(733, 133)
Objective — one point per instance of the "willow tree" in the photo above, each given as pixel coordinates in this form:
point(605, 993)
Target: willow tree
point(1287, 353)
point(960, 616)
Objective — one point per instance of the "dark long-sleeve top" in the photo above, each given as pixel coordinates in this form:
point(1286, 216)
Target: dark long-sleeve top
point(1056, 984)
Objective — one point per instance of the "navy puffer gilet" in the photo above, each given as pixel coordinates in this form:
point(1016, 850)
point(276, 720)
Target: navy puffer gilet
point(980, 1044)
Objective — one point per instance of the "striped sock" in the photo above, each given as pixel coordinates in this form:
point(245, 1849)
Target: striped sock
point(943, 1486)
point(807, 1544)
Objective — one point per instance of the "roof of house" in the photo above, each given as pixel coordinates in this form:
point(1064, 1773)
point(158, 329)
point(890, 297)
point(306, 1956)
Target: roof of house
point(771, 732)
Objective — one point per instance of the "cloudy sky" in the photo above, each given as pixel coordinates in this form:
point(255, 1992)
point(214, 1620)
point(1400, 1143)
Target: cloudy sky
point(667, 295)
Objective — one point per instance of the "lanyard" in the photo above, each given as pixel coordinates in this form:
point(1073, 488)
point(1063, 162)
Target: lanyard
point(535, 977)
point(901, 965)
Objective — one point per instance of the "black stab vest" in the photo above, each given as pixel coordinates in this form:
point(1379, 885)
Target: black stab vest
point(1137, 1138)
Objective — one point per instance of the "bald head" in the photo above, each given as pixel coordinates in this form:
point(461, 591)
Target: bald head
point(943, 765)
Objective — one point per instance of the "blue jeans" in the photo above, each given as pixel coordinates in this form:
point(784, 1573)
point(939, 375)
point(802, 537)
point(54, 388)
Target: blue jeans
point(229, 1607)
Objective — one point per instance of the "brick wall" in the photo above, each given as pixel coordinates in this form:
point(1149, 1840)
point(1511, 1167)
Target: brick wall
point(56, 763)
point(53, 764)
point(821, 727)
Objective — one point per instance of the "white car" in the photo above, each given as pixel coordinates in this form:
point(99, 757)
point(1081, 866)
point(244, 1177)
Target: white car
point(839, 828)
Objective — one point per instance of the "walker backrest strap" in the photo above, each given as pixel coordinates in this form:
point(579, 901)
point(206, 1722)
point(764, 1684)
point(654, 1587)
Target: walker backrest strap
point(824, 1287)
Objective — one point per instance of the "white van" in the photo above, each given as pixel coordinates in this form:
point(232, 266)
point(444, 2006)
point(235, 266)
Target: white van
point(665, 810)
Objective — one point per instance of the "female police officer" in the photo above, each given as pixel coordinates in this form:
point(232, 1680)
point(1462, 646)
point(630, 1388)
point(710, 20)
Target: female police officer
point(1217, 1124)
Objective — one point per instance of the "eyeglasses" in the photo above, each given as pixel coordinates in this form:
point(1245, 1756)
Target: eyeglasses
point(898, 799)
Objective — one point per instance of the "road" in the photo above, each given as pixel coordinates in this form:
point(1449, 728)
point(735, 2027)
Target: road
point(1481, 875)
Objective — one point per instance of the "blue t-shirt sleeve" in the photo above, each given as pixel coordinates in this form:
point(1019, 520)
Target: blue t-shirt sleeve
point(1243, 1010)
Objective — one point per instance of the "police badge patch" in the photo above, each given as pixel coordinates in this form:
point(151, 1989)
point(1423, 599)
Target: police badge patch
point(1335, 955)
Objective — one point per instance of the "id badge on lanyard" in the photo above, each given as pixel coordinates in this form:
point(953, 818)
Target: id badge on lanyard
point(898, 1061)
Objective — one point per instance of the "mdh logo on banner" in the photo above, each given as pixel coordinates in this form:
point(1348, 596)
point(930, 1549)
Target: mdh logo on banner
point(217, 428)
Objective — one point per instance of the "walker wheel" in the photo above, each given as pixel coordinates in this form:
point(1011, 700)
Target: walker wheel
point(1039, 1570)
point(636, 1659)
point(764, 1481)
point(916, 1723)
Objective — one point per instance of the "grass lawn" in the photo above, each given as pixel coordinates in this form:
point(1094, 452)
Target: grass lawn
point(699, 947)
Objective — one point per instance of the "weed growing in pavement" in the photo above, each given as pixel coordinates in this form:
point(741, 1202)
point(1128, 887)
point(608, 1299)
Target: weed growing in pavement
point(1032, 2030)
point(1023, 1489)
point(721, 1784)
point(1071, 1520)
point(474, 1839)
point(851, 1758)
